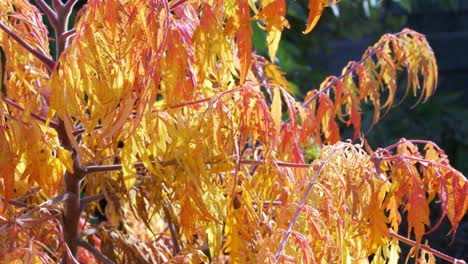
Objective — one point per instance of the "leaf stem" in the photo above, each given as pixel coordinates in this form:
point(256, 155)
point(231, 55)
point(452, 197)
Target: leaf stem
point(101, 257)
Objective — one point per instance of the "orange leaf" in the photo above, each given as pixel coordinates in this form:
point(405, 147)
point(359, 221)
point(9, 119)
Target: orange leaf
point(315, 11)
point(244, 39)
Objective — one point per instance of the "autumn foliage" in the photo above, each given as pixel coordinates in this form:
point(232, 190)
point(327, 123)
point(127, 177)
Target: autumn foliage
point(197, 145)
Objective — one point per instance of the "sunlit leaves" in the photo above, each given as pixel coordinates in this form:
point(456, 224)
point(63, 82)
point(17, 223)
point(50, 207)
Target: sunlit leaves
point(197, 145)
point(375, 83)
point(25, 75)
point(108, 71)
point(272, 14)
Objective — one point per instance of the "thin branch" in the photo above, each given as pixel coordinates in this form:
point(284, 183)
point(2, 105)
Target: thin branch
point(16, 203)
point(415, 141)
point(301, 204)
point(7, 100)
point(173, 230)
point(117, 167)
point(349, 71)
point(67, 34)
point(69, 5)
point(89, 199)
point(421, 160)
point(426, 248)
point(174, 4)
point(49, 12)
point(278, 163)
point(78, 131)
point(57, 4)
point(98, 254)
point(50, 64)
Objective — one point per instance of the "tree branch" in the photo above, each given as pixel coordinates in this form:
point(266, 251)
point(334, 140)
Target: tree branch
point(16, 203)
point(96, 253)
point(49, 12)
point(7, 100)
point(89, 199)
point(172, 228)
point(69, 5)
point(278, 163)
point(426, 248)
point(116, 167)
point(50, 64)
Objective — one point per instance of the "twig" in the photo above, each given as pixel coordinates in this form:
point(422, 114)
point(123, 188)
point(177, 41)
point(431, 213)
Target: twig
point(415, 141)
point(69, 5)
point(16, 203)
point(349, 71)
point(427, 248)
point(78, 131)
point(7, 100)
point(98, 254)
point(116, 167)
point(173, 230)
point(301, 204)
point(278, 163)
point(174, 4)
point(50, 64)
point(89, 199)
point(49, 12)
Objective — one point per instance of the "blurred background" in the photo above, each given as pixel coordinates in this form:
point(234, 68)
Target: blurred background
point(343, 34)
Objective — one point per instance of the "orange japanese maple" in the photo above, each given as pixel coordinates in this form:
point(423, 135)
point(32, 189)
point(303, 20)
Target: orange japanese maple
point(161, 109)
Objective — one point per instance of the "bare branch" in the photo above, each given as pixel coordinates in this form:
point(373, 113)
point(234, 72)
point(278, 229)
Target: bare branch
point(7, 100)
point(69, 5)
point(49, 12)
point(81, 130)
point(89, 199)
point(57, 4)
point(50, 64)
point(116, 167)
point(426, 248)
point(278, 163)
point(98, 254)
point(173, 230)
point(67, 34)
point(16, 203)
point(414, 141)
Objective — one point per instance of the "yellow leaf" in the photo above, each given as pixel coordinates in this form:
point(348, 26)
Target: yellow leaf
point(276, 111)
point(277, 76)
point(66, 159)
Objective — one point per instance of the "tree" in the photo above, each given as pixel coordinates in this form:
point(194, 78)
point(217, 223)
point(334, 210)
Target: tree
point(196, 145)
